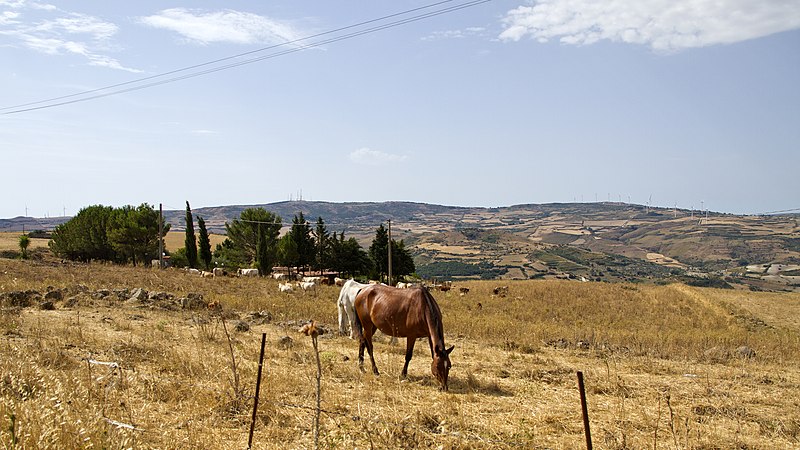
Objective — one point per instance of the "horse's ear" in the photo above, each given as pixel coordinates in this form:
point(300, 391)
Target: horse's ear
point(449, 350)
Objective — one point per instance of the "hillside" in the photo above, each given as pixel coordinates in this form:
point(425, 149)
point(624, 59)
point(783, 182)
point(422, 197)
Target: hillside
point(605, 241)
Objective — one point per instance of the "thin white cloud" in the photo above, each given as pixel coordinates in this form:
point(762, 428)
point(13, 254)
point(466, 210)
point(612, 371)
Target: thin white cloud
point(55, 32)
point(204, 132)
point(664, 25)
point(455, 34)
point(369, 157)
point(221, 26)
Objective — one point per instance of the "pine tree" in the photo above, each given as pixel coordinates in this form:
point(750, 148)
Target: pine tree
point(322, 245)
point(204, 251)
point(243, 234)
point(304, 242)
point(379, 251)
point(265, 251)
point(190, 242)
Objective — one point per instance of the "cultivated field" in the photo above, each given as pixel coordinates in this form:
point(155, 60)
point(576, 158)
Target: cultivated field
point(660, 363)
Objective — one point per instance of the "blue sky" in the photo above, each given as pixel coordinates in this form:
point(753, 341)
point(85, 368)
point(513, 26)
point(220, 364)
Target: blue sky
point(687, 103)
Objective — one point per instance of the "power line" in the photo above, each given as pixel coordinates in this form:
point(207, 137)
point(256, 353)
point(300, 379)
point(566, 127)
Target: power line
point(112, 89)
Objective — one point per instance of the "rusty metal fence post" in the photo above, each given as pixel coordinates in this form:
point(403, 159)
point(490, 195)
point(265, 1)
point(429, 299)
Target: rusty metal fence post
point(258, 389)
point(585, 411)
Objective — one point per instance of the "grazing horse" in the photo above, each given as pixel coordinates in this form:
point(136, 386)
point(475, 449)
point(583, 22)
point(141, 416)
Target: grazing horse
point(410, 313)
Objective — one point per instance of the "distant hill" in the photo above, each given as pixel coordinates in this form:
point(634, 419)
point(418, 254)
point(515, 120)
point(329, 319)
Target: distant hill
point(605, 241)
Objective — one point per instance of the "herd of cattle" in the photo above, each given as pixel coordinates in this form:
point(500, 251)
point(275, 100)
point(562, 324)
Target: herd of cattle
point(288, 283)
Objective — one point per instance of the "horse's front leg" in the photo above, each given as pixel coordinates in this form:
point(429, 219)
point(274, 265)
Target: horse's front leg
point(409, 353)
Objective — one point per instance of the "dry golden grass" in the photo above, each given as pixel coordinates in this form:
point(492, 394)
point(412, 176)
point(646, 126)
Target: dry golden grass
point(658, 361)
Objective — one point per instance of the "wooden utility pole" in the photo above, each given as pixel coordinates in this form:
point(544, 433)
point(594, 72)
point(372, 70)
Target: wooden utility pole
point(160, 236)
point(390, 253)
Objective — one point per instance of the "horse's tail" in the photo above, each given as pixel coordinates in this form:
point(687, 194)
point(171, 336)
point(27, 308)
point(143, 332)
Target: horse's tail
point(343, 313)
point(359, 331)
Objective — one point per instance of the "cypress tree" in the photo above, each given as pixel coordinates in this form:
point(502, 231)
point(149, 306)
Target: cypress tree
point(204, 252)
point(190, 242)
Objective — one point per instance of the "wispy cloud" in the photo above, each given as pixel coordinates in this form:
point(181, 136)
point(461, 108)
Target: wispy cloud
point(221, 26)
point(455, 34)
point(55, 32)
point(664, 25)
point(369, 157)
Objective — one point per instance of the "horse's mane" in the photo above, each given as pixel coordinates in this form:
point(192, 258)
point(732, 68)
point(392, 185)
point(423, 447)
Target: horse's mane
point(434, 315)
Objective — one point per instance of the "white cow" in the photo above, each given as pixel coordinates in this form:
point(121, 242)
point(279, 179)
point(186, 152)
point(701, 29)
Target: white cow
point(205, 274)
point(307, 286)
point(279, 276)
point(312, 279)
point(247, 272)
point(402, 285)
point(347, 310)
point(339, 281)
point(285, 287)
point(218, 271)
point(193, 271)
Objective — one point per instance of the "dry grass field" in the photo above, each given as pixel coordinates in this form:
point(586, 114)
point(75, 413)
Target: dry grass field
point(660, 366)
point(10, 241)
point(177, 239)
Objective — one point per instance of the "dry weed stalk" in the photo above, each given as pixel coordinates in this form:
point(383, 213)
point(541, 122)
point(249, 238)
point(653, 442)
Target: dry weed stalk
point(237, 396)
point(310, 329)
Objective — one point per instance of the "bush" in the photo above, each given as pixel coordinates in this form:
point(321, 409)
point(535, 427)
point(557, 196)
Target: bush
point(178, 258)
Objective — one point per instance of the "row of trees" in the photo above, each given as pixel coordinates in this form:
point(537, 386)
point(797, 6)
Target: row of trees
point(102, 233)
point(194, 255)
point(131, 235)
point(253, 240)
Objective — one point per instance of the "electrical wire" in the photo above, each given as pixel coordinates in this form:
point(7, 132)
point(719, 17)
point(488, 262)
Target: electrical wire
point(49, 103)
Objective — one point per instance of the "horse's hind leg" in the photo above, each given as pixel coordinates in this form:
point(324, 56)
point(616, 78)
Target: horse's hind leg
point(367, 330)
point(361, 347)
point(409, 353)
point(372, 358)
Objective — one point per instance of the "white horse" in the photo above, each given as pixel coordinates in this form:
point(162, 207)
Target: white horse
point(347, 310)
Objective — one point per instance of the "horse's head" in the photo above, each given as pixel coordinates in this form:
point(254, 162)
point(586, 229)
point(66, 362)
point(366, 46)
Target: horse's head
point(440, 367)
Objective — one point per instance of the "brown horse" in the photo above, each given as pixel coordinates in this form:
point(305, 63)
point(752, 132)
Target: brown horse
point(410, 313)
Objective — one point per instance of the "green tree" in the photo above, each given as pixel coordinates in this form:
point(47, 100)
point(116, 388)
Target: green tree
point(24, 242)
point(243, 235)
point(133, 233)
point(190, 243)
point(321, 246)
point(85, 236)
point(348, 257)
point(266, 251)
point(303, 240)
point(379, 252)
point(204, 251)
point(402, 262)
point(287, 252)
point(229, 256)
